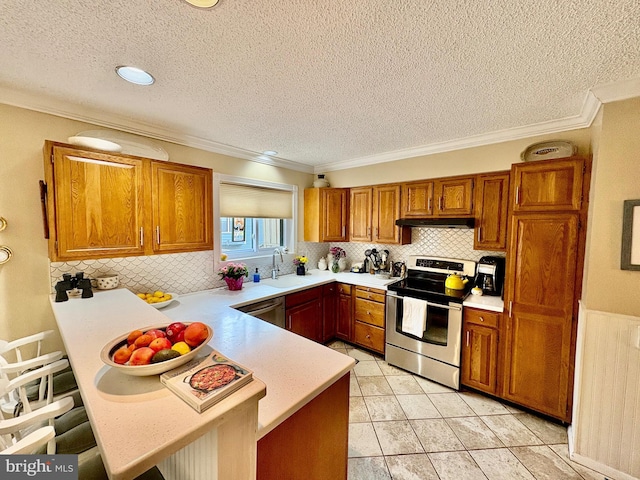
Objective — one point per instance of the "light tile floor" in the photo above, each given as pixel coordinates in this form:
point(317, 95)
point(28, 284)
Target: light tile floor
point(404, 427)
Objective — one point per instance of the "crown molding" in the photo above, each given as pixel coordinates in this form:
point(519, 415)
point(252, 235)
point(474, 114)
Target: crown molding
point(80, 113)
point(588, 112)
point(615, 91)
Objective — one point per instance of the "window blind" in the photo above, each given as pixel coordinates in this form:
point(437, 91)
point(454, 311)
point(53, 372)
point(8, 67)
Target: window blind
point(255, 202)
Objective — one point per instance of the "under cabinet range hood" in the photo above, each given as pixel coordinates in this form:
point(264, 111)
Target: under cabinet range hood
point(436, 222)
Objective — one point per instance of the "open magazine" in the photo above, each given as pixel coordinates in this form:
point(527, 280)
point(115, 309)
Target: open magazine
point(203, 382)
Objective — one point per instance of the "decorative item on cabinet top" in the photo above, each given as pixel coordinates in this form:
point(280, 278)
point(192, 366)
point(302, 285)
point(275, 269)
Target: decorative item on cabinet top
point(113, 141)
point(548, 151)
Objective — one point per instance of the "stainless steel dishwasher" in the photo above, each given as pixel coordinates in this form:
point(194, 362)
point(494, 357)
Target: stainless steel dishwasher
point(271, 310)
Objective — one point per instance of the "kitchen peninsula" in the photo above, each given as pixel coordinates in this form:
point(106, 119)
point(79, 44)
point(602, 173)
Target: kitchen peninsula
point(138, 423)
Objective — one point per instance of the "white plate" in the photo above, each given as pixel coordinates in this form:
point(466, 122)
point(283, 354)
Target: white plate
point(97, 143)
point(109, 349)
point(548, 151)
point(160, 305)
point(131, 144)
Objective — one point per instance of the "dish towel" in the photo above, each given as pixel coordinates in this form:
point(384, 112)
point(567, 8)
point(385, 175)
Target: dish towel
point(414, 316)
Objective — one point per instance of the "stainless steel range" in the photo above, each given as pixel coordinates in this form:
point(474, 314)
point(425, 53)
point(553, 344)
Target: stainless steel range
point(424, 319)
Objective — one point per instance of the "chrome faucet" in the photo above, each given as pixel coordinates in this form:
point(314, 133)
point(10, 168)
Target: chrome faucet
point(274, 269)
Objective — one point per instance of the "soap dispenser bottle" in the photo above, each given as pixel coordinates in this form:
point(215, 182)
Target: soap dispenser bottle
point(256, 276)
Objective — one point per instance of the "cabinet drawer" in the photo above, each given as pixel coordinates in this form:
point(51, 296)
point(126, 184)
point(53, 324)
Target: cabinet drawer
point(482, 317)
point(370, 312)
point(344, 288)
point(370, 294)
point(369, 336)
point(304, 296)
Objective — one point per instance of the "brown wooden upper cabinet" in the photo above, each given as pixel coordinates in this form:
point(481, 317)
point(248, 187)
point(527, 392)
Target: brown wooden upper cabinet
point(548, 185)
point(99, 205)
point(181, 202)
point(445, 197)
point(326, 212)
point(374, 211)
point(491, 208)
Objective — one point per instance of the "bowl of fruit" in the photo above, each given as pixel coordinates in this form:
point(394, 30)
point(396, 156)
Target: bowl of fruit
point(158, 299)
point(156, 349)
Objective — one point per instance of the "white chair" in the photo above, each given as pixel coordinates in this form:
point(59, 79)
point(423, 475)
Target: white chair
point(25, 354)
point(14, 432)
point(18, 395)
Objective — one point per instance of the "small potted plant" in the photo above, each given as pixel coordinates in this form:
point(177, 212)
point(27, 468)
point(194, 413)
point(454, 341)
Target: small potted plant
point(233, 274)
point(300, 263)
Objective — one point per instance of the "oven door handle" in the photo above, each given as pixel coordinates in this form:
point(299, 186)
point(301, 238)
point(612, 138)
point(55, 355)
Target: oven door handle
point(439, 305)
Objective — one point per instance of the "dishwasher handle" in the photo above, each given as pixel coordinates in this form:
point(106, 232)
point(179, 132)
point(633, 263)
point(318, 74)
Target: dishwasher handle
point(268, 308)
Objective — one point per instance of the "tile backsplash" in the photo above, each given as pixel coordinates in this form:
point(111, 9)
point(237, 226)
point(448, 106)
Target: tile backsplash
point(190, 272)
point(440, 242)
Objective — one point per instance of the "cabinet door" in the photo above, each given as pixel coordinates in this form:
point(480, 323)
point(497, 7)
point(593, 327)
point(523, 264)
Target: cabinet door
point(329, 311)
point(454, 196)
point(386, 209)
point(540, 302)
point(479, 357)
point(417, 199)
point(360, 214)
point(182, 208)
point(345, 313)
point(99, 205)
point(335, 213)
point(306, 320)
point(548, 185)
point(491, 202)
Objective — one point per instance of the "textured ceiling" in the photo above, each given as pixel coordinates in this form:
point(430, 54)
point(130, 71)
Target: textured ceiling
point(321, 82)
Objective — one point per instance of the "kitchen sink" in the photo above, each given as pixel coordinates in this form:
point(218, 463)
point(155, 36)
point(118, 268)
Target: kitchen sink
point(286, 281)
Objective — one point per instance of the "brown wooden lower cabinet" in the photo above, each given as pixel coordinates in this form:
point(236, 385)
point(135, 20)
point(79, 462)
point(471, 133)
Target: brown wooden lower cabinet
point(369, 318)
point(303, 313)
point(480, 337)
point(345, 313)
point(312, 444)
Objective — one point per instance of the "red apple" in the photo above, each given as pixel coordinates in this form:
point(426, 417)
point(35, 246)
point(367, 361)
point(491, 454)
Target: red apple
point(178, 338)
point(174, 330)
point(195, 334)
point(142, 356)
point(160, 344)
point(155, 333)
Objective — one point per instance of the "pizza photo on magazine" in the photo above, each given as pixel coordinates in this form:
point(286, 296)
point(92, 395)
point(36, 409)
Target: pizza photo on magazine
point(204, 382)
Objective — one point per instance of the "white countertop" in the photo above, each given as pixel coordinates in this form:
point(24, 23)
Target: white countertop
point(484, 302)
point(137, 421)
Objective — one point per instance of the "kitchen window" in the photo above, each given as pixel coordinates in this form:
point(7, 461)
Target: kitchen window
point(253, 217)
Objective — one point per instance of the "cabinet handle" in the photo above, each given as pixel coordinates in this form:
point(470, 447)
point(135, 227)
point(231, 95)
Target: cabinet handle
point(142, 236)
point(289, 323)
point(467, 338)
point(510, 307)
point(481, 319)
point(158, 234)
point(343, 230)
point(368, 336)
point(517, 195)
point(369, 231)
point(479, 230)
point(440, 203)
point(429, 204)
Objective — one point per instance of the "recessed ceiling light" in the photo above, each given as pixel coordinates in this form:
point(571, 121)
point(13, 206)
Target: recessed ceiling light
point(203, 3)
point(135, 75)
point(270, 153)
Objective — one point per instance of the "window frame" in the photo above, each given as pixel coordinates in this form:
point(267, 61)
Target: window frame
point(290, 230)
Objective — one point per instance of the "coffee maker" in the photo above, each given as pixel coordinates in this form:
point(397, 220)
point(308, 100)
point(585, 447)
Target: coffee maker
point(490, 275)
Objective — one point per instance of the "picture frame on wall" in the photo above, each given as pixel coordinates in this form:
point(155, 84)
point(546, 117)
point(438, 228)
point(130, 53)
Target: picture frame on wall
point(238, 230)
point(630, 258)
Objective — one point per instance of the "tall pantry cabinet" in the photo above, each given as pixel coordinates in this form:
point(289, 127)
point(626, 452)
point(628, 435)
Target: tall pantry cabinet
point(544, 274)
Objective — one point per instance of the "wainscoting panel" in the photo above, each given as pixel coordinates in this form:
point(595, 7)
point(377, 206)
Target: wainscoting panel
point(606, 427)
